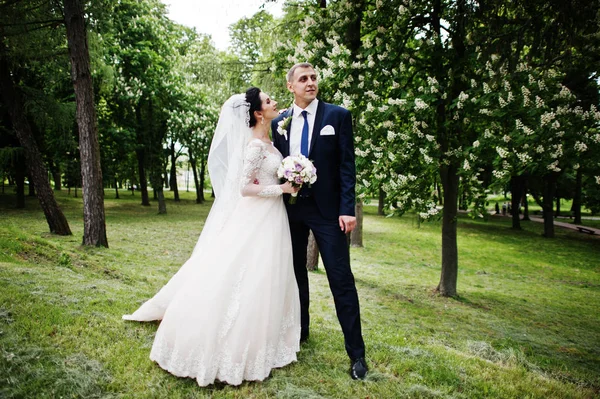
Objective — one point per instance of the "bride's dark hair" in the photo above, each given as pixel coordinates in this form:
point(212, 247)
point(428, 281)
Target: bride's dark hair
point(253, 98)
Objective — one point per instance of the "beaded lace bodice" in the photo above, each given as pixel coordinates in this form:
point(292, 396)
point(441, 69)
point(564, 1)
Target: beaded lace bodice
point(261, 161)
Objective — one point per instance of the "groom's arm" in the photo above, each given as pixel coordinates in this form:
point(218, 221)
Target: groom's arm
point(347, 167)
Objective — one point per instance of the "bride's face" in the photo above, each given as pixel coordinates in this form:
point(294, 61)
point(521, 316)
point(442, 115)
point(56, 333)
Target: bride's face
point(269, 107)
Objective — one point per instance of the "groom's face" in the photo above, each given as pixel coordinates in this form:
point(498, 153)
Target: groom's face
point(304, 86)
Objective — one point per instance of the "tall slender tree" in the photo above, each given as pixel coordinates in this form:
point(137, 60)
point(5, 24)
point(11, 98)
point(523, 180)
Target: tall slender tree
point(13, 99)
point(94, 232)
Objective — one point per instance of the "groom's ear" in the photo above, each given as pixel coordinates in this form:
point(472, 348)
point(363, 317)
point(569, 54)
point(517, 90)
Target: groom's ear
point(289, 87)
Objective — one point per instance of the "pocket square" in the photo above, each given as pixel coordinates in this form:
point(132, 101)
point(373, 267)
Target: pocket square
point(328, 131)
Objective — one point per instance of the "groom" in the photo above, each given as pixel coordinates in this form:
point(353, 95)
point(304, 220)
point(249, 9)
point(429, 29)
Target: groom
point(323, 133)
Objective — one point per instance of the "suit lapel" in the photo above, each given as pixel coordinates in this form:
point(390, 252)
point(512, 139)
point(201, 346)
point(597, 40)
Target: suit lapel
point(318, 125)
point(289, 113)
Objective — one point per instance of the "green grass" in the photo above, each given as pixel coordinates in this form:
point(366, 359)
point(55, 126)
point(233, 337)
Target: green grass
point(525, 324)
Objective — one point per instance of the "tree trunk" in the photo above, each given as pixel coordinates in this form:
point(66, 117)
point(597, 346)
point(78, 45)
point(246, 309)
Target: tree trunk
point(56, 176)
point(32, 185)
point(448, 279)
point(548, 203)
point(37, 170)
point(202, 179)
point(141, 158)
point(157, 188)
point(525, 206)
point(173, 174)
point(162, 205)
point(577, 198)
point(94, 225)
point(312, 253)
point(143, 188)
point(463, 206)
point(116, 189)
point(517, 184)
point(193, 162)
point(381, 206)
point(20, 181)
point(356, 237)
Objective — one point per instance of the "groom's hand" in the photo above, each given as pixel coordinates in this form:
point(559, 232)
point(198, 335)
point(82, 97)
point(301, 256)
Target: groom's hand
point(347, 223)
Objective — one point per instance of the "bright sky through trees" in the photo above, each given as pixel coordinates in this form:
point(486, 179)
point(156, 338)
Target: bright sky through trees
point(214, 17)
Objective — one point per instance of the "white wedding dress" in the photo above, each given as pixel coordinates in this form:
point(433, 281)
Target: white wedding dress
point(232, 312)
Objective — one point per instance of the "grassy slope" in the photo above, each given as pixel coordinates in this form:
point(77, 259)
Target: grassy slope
point(525, 324)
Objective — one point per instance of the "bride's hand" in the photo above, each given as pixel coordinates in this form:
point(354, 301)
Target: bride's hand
point(288, 188)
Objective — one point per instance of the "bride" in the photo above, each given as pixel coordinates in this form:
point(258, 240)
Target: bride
point(232, 312)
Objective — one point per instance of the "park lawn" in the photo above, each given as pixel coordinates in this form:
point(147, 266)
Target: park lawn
point(525, 324)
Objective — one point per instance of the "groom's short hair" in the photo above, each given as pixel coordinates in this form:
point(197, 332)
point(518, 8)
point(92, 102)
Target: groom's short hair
point(290, 73)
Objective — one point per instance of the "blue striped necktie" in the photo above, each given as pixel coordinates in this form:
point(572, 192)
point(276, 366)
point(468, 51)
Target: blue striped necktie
point(304, 140)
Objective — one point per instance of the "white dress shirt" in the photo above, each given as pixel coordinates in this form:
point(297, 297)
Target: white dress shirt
point(298, 123)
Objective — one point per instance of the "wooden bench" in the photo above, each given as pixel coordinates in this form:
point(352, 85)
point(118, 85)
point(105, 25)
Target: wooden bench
point(585, 230)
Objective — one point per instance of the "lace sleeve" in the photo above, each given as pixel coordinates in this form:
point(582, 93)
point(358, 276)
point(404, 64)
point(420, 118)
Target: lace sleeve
point(252, 162)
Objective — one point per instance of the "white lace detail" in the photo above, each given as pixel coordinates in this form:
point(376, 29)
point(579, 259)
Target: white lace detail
point(252, 160)
point(271, 191)
point(230, 366)
point(259, 176)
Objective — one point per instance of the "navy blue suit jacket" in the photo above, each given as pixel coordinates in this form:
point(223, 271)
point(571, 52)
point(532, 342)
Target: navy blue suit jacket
point(332, 155)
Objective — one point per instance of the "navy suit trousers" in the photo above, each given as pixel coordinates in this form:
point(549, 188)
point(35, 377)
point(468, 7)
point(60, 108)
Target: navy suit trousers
point(304, 215)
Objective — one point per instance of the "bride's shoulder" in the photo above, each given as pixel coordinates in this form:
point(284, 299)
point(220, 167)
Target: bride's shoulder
point(254, 142)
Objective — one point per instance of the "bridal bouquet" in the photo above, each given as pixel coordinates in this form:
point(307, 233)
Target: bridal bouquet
point(298, 170)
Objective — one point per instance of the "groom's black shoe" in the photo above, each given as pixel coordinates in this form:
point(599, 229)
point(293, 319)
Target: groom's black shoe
point(358, 370)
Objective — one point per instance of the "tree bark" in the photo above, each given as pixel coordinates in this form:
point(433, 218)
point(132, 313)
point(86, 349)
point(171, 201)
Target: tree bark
point(193, 162)
point(37, 170)
point(548, 203)
point(20, 181)
point(356, 237)
point(94, 224)
point(449, 277)
point(173, 173)
point(141, 158)
point(517, 184)
point(202, 179)
point(143, 188)
point(116, 189)
point(312, 253)
point(56, 176)
point(31, 186)
point(577, 198)
point(525, 205)
point(162, 205)
point(381, 206)
point(157, 188)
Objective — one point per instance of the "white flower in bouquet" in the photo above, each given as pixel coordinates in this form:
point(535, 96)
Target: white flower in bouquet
point(298, 170)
